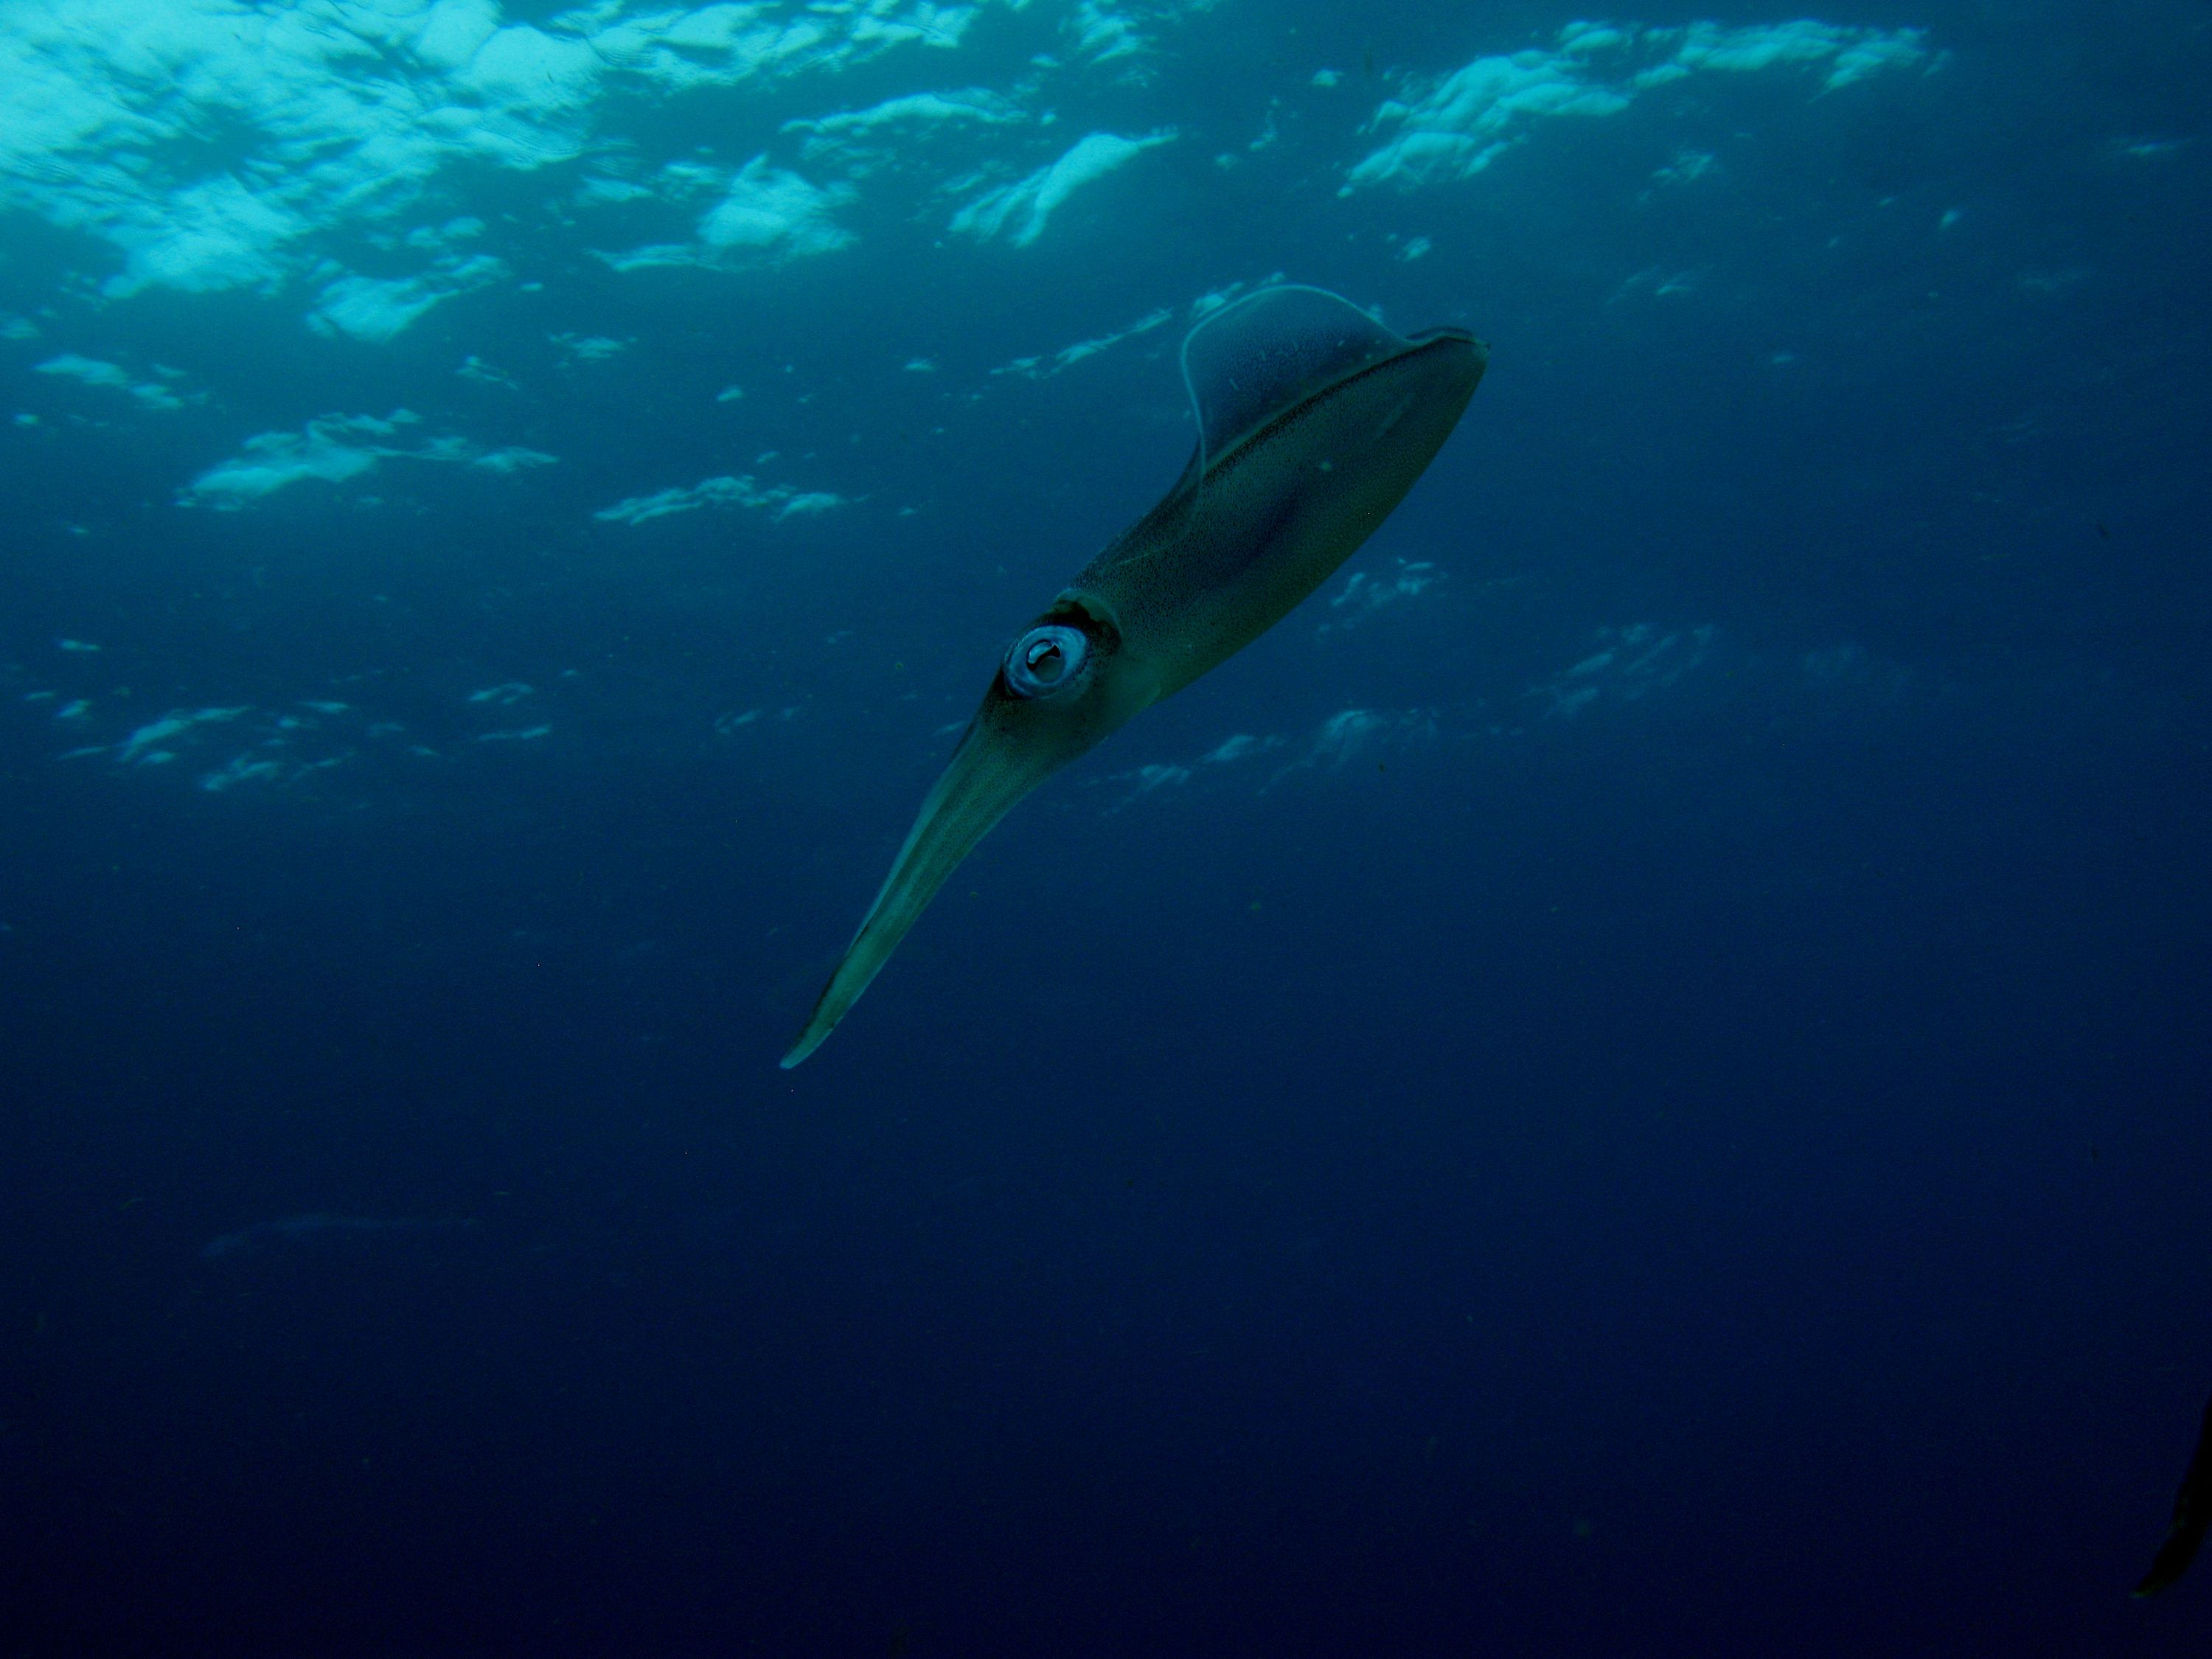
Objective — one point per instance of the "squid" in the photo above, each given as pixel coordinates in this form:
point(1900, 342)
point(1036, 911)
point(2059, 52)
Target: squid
point(1314, 420)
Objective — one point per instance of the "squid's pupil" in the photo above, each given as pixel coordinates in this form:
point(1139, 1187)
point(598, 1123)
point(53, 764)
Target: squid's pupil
point(1045, 660)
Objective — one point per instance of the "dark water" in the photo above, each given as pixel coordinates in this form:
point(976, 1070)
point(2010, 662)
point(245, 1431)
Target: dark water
point(1656, 1104)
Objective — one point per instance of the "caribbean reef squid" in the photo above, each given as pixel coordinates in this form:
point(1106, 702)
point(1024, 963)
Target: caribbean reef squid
point(1314, 421)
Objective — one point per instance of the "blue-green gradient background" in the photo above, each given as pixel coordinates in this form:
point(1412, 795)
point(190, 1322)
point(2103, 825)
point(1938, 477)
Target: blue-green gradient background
point(1657, 1105)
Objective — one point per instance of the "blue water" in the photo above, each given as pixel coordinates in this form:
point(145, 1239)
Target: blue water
point(1632, 1079)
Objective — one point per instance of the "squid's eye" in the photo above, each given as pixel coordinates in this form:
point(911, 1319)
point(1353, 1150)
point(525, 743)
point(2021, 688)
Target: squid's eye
point(1045, 660)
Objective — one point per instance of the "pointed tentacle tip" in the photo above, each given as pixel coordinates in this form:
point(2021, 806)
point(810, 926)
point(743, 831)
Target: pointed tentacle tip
point(816, 1033)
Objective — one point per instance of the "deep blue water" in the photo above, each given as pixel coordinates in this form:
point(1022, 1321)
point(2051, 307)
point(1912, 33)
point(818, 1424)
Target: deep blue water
point(1657, 1104)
